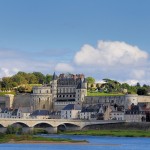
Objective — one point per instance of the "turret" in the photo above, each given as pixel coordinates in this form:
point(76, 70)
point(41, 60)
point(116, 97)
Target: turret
point(54, 86)
point(81, 91)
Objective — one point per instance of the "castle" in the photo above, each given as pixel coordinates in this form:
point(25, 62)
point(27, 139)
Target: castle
point(63, 90)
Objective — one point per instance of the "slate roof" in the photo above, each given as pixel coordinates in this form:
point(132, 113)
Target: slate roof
point(14, 113)
point(5, 110)
point(81, 86)
point(54, 76)
point(65, 100)
point(72, 107)
point(40, 113)
point(135, 109)
point(55, 113)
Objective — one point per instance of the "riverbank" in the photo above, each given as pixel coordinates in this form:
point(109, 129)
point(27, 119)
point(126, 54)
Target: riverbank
point(4, 138)
point(117, 133)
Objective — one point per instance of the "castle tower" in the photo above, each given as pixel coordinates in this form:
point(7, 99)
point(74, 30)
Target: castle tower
point(54, 86)
point(81, 91)
point(41, 98)
point(130, 99)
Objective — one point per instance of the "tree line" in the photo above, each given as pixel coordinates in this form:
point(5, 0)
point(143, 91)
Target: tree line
point(113, 86)
point(23, 78)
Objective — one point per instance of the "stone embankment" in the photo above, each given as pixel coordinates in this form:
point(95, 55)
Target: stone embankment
point(121, 126)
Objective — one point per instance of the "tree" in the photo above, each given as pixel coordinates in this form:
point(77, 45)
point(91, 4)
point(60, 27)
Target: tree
point(142, 91)
point(40, 77)
point(32, 79)
point(48, 78)
point(138, 85)
point(90, 80)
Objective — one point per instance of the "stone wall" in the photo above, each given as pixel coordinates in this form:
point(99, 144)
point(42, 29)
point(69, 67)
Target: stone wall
point(6, 101)
point(119, 100)
point(143, 99)
point(22, 100)
point(121, 126)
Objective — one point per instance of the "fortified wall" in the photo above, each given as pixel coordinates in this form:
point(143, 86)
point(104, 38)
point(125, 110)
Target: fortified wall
point(6, 101)
point(119, 100)
point(124, 100)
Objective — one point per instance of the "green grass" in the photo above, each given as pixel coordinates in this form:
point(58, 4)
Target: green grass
point(117, 133)
point(103, 94)
point(4, 138)
point(34, 85)
point(3, 93)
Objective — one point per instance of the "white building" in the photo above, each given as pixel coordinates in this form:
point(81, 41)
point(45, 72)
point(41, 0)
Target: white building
point(5, 113)
point(117, 115)
point(40, 114)
point(71, 111)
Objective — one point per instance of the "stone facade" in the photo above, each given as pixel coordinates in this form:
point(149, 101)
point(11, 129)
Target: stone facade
point(6, 101)
point(41, 99)
point(106, 100)
point(63, 90)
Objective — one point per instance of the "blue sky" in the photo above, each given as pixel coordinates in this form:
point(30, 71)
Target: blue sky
point(100, 38)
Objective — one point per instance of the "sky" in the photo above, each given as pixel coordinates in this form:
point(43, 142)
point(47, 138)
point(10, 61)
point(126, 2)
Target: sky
point(99, 38)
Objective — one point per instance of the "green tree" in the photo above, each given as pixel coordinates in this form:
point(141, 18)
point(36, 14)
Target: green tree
point(90, 80)
point(40, 77)
point(142, 91)
point(48, 78)
point(32, 79)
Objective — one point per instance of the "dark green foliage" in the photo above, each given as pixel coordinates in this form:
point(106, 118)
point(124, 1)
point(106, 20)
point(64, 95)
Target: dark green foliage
point(13, 130)
point(142, 91)
point(40, 77)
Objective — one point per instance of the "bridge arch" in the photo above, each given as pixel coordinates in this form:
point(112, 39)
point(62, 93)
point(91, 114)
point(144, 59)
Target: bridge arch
point(1, 126)
point(42, 125)
point(19, 124)
point(68, 126)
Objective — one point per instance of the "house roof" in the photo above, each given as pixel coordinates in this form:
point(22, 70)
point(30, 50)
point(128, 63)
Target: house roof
point(5, 110)
point(72, 107)
point(40, 113)
point(90, 109)
point(14, 113)
point(64, 100)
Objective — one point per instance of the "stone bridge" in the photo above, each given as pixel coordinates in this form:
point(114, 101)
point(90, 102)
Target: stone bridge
point(51, 125)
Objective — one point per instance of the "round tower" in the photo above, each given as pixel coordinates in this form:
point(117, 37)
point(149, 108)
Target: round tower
point(130, 99)
point(41, 99)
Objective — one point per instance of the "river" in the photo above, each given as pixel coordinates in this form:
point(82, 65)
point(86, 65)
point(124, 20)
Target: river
point(95, 143)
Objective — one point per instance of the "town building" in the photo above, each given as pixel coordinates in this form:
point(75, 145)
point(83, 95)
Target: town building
point(135, 114)
point(117, 115)
point(71, 111)
point(40, 114)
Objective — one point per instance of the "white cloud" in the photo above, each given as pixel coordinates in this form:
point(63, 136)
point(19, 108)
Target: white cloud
point(64, 67)
point(138, 74)
point(5, 72)
point(109, 53)
point(110, 59)
point(131, 82)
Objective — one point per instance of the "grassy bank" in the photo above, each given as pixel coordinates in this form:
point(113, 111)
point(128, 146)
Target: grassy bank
point(103, 94)
point(5, 138)
point(117, 133)
point(3, 93)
